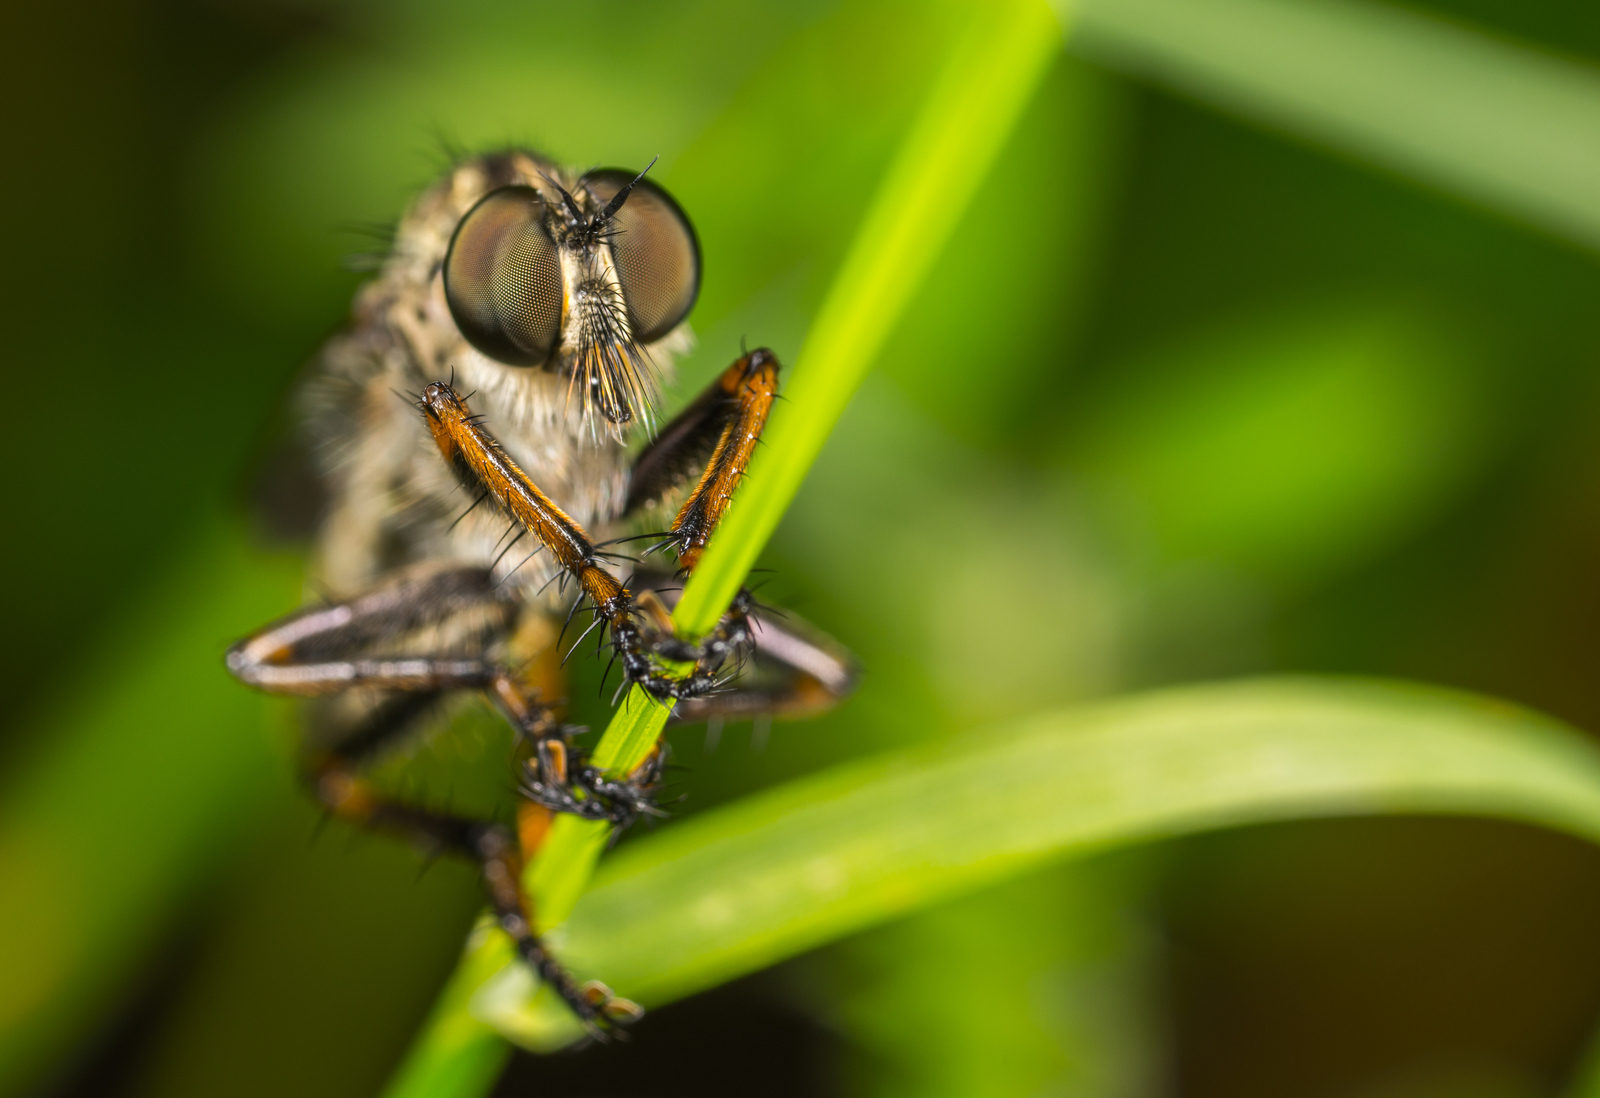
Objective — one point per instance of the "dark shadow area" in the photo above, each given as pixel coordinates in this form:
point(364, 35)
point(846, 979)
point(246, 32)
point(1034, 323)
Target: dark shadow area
point(1322, 958)
point(740, 1039)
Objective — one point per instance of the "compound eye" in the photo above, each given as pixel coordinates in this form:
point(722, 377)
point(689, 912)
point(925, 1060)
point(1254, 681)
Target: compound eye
point(655, 250)
point(502, 278)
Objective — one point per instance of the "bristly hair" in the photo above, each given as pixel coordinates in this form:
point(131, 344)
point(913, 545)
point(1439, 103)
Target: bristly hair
point(383, 232)
point(614, 375)
point(591, 231)
point(447, 150)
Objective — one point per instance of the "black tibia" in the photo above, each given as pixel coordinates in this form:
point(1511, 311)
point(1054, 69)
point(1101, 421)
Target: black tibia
point(786, 669)
point(558, 771)
point(793, 671)
point(592, 1002)
point(379, 662)
point(495, 849)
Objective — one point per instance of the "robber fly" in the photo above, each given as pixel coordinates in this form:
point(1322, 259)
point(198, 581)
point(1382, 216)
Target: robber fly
point(470, 425)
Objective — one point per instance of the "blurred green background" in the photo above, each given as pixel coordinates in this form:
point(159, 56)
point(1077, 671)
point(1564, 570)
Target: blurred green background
point(1207, 383)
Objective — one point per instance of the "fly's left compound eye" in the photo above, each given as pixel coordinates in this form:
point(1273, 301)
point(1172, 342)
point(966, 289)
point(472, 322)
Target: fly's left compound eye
point(655, 250)
point(502, 278)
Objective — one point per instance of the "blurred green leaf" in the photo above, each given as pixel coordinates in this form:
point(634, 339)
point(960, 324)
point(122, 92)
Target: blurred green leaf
point(1001, 313)
point(974, 587)
point(1048, 984)
point(744, 886)
point(1506, 126)
point(321, 939)
point(957, 134)
point(1290, 442)
point(143, 779)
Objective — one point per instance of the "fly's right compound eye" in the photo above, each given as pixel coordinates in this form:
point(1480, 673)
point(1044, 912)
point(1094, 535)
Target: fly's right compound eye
point(656, 252)
point(502, 278)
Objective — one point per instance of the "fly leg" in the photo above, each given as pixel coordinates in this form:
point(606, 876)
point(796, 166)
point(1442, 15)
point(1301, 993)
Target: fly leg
point(790, 670)
point(560, 778)
point(718, 432)
point(486, 469)
point(330, 650)
point(720, 428)
point(797, 670)
point(730, 415)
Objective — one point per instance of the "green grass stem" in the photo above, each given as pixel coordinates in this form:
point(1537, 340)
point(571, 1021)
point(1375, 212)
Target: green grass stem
point(744, 886)
point(959, 130)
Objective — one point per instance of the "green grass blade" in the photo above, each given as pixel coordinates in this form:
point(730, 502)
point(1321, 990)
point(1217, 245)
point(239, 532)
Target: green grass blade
point(782, 872)
point(456, 1053)
point(957, 135)
point(558, 877)
point(958, 132)
point(1506, 126)
point(944, 157)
